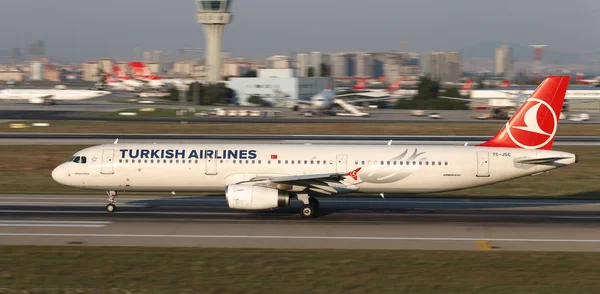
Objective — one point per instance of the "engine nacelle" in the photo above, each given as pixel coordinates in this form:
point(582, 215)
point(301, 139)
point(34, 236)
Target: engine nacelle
point(248, 197)
point(36, 100)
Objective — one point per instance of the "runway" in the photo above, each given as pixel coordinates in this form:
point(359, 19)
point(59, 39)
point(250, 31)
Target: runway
point(96, 110)
point(349, 223)
point(99, 138)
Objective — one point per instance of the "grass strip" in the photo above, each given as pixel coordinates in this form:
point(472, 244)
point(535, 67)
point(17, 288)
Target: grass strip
point(196, 270)
point(366, 128)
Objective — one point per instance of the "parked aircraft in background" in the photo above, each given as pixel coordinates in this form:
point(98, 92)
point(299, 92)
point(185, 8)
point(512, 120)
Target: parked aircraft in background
point(48, 96)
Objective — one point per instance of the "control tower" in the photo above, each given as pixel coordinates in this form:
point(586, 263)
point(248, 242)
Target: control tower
point(214, 15)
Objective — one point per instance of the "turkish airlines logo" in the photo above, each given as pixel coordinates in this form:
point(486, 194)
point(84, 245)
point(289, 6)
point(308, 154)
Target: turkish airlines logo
point(526, 130)
point(354, 174)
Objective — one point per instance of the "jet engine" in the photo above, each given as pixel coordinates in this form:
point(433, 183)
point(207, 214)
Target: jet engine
point(36, 100)
point(249, 197)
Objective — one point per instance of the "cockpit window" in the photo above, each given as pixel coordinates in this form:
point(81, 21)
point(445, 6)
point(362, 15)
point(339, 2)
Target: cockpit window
point(78, 159)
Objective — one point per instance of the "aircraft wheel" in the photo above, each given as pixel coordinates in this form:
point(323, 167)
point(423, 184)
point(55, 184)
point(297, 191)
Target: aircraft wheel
point(111, 207)
point(308, 211)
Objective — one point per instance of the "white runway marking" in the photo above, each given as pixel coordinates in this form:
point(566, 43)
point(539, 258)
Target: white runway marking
point(121, 212)
point(53, 224)
point(323, 200)
point(347, 238)
point(31, 203)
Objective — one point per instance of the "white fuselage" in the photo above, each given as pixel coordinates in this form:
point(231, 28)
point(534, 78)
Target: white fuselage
point(383, 169)
point(54, 94)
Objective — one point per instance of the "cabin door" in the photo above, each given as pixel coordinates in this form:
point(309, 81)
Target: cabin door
point(211, 166)
point(107, 161)
point(483, 164)
point(342, 160)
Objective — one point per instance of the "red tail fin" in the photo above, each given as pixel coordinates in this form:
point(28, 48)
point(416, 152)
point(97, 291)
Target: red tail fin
point(505, 84)
point(395, 85)
point(467, 86)
point(535, 123)
point(360, 85)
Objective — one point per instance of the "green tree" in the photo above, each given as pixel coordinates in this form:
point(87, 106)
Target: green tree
point(250, 74)
point(310, 72)
point(452, 92)
point(255, 99)
point(427, 89)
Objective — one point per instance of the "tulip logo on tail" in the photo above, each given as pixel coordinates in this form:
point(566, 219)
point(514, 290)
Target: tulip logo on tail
point(527, 132)
point(534, 125)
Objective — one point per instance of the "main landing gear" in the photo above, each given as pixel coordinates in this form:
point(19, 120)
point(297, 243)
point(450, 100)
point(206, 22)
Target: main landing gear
point(112, 200)
point(310, 207)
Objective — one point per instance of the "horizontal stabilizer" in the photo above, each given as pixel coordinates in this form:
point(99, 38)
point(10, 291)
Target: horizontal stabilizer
point(543, 160)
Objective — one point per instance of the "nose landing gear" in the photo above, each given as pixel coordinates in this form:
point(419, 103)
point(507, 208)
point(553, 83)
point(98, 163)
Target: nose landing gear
point(112, 200)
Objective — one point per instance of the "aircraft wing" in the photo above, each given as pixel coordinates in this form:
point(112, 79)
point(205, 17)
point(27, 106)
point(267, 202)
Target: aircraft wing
point(293, 179)
point(570, 101)
point(330, 183)
point(457, 98)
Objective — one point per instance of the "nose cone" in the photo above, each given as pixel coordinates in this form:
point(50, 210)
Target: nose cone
point(59, 174)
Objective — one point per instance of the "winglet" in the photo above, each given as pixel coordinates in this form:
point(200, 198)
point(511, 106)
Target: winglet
point(390, 143)
point(354, 174)
point(116, 141)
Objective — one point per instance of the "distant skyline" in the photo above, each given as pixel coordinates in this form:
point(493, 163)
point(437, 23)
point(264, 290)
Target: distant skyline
point(81, 30)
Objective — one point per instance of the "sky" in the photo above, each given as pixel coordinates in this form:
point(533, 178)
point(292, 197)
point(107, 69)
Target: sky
point(86, 29)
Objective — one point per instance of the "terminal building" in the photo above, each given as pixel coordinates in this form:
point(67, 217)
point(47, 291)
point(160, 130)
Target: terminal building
point(508, 98)
point(278, 86)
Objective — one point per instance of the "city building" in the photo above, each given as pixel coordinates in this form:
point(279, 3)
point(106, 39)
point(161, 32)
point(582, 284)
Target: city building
point(342, 65)
point(278, 86)
point(11, 73)
point(364, 65)
point(278, 61)
point(37, 71)
point(91, 71)
point(504, 64)
point(444, 67)
point(106, 64)
point(236, 67)
point(317, 60)
point(52, 73)
point(302, 64)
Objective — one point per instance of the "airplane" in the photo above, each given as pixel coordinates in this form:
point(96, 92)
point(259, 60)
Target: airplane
point(127, 80)
point(49, 96)
point(594, 82)
point(118, 85)
point(465, 90)
point(142, 72)
point(257, 177)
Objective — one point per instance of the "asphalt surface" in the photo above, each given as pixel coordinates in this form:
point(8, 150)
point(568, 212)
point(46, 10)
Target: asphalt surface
point(99, 138)
point(359, 223)
point(96, 109)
